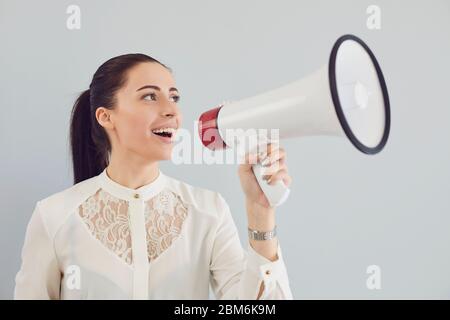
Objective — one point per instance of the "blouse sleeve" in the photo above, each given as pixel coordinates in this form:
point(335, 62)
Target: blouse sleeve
point(39, 275)
point(236, 274)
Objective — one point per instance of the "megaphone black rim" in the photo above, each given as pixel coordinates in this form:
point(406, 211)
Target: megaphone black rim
point(338, 107)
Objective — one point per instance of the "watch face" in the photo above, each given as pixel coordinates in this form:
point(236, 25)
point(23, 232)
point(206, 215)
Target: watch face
point(262, 235)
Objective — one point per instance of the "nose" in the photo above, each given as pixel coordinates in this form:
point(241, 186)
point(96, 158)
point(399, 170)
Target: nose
point(170, 110)
point(169, 113)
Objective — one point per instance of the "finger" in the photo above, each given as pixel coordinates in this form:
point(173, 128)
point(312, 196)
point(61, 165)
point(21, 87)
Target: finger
point(265, 149)
point(280, 175)
point(268, 171)
point(245, 164)
point(271, 146)
point(250, 158)
point(275, 144)
point(275, 155)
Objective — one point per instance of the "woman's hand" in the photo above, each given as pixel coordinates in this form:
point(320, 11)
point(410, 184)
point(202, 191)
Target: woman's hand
point(260, 215)
point(275, 169)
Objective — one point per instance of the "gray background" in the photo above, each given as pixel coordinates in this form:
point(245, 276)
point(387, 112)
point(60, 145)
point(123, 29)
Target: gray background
point(347, 210)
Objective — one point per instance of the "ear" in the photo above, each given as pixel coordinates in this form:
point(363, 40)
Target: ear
point(103, 117)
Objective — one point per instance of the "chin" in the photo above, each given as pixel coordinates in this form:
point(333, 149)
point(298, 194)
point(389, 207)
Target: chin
point(160, 155)
point(166, 157)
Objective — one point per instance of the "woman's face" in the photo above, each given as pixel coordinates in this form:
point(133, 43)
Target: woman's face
point(147, 101)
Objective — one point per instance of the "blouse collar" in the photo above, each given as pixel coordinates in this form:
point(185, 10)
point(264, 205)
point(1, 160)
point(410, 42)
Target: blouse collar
point(143, 193)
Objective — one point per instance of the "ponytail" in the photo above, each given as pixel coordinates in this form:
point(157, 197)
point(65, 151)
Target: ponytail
point(86, 158)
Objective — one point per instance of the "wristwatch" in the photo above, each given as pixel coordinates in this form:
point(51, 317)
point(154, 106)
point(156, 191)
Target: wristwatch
point(262, 235)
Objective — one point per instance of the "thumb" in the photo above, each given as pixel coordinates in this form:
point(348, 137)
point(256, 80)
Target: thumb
point(249, 160)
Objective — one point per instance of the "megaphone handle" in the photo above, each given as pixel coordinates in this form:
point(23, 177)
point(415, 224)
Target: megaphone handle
point(277, 193)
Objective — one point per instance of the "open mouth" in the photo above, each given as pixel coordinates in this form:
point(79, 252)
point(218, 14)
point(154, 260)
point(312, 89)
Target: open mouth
point(164, 132)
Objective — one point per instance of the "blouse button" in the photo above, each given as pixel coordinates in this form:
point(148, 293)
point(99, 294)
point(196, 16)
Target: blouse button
point(136, 195)
point(268, 272)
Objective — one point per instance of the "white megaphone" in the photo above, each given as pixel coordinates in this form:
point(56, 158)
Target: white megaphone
point(345, 97)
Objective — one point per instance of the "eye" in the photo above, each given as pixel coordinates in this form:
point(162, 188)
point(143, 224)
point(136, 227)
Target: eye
point(151, 95)
point(176, 99)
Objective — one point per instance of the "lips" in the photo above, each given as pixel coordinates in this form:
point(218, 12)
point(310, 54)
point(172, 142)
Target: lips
point(164, 132)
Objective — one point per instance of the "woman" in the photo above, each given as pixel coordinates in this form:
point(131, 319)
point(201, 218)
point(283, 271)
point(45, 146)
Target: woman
point(125, 230)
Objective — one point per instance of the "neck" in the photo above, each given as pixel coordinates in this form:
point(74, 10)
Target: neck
point(131, 172)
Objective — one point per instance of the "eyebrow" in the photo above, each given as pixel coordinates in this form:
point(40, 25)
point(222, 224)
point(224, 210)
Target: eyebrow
point(156, 88)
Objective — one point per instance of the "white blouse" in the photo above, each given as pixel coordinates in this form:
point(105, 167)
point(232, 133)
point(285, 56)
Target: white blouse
point(165, 240)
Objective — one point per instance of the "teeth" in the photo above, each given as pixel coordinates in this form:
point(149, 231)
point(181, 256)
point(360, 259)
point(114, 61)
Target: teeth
point(168, 130)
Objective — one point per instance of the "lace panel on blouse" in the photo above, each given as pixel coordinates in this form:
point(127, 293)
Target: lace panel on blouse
point(107, 219)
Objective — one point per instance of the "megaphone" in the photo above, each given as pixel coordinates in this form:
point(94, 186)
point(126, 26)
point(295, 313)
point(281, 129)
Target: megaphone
point(345, 97)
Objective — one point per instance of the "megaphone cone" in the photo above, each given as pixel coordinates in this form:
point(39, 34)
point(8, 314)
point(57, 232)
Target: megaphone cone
point(345, 97)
